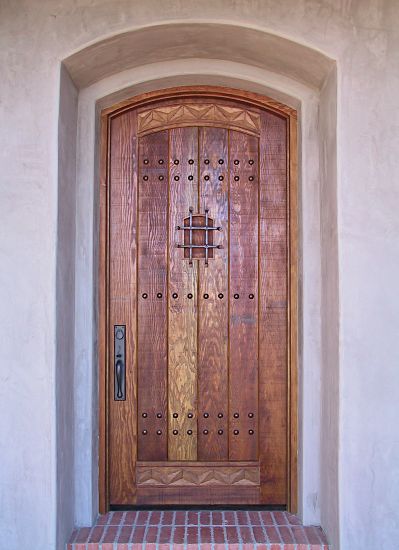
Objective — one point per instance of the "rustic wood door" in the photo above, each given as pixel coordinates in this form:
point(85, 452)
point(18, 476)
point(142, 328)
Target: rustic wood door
point(198, 304)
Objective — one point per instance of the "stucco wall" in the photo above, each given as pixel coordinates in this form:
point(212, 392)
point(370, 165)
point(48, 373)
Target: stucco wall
point(363, 38)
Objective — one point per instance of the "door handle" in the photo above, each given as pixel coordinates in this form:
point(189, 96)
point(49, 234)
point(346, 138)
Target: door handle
point(119, 362)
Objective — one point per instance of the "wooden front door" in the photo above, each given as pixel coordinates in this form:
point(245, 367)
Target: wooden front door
point(197, 301)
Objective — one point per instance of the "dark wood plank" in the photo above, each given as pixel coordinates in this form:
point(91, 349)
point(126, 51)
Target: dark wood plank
point(273, 310)
point(182, 362)
point(122, 304)
point(213, 311)
point(152, 309)
point(243, 386)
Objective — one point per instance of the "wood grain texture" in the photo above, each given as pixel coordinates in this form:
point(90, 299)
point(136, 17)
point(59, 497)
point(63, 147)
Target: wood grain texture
point(198, 474)
point(182, 346)
point(277, 312)
point(152, 309)
point(198, 114)
point(243, 318)
point(197, 93)
point(191, 496)
point(122, 307)
point(213, 317)
point(273, 310)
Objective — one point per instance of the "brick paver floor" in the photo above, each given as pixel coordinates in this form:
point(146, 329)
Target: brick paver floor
point(205, 529)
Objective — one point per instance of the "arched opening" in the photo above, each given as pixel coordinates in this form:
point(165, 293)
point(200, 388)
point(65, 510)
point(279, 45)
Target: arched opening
point(124, 65)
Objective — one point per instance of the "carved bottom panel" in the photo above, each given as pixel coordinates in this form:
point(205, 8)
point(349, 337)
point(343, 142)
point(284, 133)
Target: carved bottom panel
point(197, 474)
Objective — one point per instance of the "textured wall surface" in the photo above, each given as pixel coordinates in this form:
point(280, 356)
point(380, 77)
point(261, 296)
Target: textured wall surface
point(363, 37)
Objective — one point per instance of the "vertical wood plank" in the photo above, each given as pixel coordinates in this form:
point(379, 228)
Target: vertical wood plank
point(182, 345)
point(213, 311)
point(122, 305)
point(243, 297)
point(152, 296)
point(273, 309)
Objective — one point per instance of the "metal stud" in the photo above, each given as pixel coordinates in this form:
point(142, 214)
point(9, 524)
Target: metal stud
point(206, 161)
point(221, 161)
point(159, 295)
point(191, 161)
point(220, 415)
point(189, 296)
point(189, 432)
point(251, 178)
point(236, 162)
point(159, 432)
point(146, 161)
point(160, 178)
point(159, 415)
point(175, 432)
point(220, 295)
point(205, 432)
point(144, 432)
point(145, 178)
point(206, 178)
point(160, 161)
point(236, 296)
point(236, 432)
point(190, 178)
point(190, 415)
point(250, 162)
point(251, 432)
point(174, 295)
point(206, 296)
point(236, 415)
point(250, 415)
point(145, 295)
point(176, 161)
point(236, 178)
point(251, 296)
point(220, 432)
point(206, 415)
point(221, 178)
point(176, 178)
point(144, 415)
point(175, 415)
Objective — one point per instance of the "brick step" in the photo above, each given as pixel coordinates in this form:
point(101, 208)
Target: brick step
point(207, 529)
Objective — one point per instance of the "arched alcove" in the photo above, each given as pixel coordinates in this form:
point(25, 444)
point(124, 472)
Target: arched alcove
point(196, 53)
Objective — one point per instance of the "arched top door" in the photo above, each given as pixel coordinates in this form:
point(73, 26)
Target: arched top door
point(197, 258)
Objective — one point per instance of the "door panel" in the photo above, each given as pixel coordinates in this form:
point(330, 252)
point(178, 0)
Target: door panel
point(213, 311)
point(243, 296)
point(152, 296)
point(198, 275)
point(182, 379)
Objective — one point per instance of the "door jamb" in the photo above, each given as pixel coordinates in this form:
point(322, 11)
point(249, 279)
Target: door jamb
point(213, 92)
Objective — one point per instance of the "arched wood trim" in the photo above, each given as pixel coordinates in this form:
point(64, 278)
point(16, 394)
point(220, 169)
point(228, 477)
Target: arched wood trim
point(248, 100)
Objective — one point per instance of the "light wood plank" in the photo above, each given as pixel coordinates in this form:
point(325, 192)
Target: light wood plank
point(182, 368)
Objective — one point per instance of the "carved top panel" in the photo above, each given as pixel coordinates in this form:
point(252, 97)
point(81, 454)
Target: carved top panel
point(197, 114)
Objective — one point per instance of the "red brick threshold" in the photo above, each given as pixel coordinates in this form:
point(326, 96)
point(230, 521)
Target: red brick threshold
point(210, 530)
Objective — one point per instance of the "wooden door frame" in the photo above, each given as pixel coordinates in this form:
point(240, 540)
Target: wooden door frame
point(251, 99)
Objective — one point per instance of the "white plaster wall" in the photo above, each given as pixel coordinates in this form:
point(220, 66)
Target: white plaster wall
point(363, 37)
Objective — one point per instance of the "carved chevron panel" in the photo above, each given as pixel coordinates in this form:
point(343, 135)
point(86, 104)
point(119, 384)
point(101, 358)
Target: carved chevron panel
point(196, 114)
point(197, 475)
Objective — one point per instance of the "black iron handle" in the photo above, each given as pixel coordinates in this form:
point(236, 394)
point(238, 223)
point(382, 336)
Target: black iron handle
point(118, 374)
point(120, 362)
